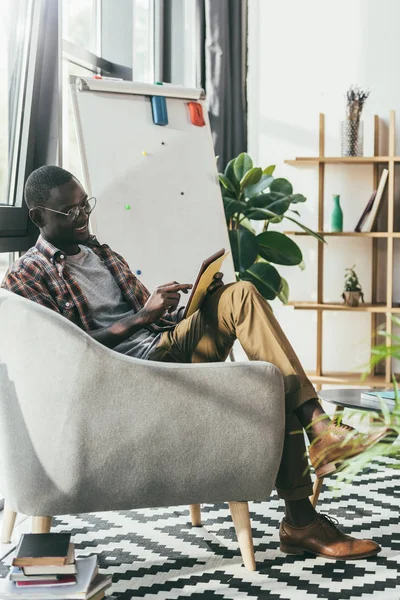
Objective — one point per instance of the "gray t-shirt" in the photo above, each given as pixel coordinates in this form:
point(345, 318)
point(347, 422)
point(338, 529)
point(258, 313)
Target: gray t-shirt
point(106, 301)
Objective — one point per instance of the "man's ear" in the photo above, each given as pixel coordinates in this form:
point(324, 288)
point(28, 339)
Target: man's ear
point(36, 216)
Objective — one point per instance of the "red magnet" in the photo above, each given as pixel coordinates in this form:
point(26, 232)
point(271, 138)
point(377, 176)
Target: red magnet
point(196, 114)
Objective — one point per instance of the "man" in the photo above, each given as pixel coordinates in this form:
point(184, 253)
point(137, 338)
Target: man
point(70, 272)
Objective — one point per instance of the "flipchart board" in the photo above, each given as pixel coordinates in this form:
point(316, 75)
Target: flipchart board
point(158, 197)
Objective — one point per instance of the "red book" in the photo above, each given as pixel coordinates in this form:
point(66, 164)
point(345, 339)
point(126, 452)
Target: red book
point(67, 580)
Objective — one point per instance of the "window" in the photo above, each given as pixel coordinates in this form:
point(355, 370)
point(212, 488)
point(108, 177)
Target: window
point(15, 17)
point(144, 25)
point(80, 23)
point(81, 41)
point(5, 258)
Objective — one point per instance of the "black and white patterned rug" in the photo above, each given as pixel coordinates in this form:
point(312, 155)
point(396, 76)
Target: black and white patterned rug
point(158, 554)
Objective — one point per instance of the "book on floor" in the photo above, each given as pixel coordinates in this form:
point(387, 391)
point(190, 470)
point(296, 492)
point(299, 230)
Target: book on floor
point(28, 582)
point(89, 583)
point(370, 220)
point(43, 549)
point(17, 574)
point(68, 569)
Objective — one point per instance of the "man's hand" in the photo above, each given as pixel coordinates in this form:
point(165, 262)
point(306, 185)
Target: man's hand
point(164, 298)
point(216, 283)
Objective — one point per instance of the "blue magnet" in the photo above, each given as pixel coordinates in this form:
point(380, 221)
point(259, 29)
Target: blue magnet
point(159, 110)
point(138, 272)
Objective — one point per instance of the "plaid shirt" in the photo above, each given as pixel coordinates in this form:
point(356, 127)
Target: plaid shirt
point(42, 275)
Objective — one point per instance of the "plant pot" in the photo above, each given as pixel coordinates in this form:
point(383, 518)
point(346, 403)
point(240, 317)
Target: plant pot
point(352, 298)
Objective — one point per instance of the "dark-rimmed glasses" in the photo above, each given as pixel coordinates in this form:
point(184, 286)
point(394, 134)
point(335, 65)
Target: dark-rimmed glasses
point(73, 214)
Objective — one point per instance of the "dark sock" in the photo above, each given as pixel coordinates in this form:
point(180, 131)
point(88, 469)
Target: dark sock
point(300, 513)
point(311, 412)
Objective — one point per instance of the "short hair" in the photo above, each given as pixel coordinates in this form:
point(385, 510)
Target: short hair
point(40, 183)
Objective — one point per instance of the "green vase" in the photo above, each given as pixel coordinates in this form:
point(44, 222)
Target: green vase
point(336, 214)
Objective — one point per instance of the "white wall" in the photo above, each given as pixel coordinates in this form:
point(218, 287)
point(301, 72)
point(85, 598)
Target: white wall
point(302, 57)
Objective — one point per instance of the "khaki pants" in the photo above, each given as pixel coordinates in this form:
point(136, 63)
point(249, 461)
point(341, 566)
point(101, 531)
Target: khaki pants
point(238, 311)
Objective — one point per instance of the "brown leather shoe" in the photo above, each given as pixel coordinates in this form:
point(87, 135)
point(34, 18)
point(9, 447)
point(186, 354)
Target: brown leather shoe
point(323, 538)
point(340, 442)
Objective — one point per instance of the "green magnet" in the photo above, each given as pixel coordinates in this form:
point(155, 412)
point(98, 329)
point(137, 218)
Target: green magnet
point(128, 206)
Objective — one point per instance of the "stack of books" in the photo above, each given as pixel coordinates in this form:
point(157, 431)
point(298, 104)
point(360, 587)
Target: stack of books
point(375, 398)
point(45, 568)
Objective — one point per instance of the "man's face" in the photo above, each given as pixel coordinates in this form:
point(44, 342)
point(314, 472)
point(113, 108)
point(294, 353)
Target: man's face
point(59, 229)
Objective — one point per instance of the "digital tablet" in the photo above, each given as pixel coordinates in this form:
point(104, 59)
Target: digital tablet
point(208, 269)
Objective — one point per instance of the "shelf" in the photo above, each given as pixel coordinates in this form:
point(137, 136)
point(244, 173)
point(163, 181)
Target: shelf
point(369, 234)
point(332, 378)
point(390, 160)
point(333, 160)
point(371, 308)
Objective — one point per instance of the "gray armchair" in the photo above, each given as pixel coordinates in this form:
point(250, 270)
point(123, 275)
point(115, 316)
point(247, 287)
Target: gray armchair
point(83, 428)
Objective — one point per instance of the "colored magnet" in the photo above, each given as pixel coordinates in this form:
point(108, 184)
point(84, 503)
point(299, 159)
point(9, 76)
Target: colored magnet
point(138, 272)
point(144, 153)
point(159, 110)
point(128, 206)
point(196, 114)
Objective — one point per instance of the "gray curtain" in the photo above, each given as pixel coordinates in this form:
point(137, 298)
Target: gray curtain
point(221, 42)
point(222, 35)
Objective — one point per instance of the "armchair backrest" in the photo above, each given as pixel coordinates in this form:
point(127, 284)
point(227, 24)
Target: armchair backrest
point(83, 428)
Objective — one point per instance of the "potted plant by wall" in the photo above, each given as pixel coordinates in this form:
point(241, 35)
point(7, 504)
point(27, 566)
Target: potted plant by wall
point(352, 289)
point(252, 194)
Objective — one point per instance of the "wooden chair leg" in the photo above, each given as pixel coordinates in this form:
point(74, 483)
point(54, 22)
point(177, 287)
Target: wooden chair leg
point(41, 524)
point(316, 491)
point(241, 520)
point(9, 517)
point(195, 514)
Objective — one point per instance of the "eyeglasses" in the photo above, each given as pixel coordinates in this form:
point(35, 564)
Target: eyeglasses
point(73, 214)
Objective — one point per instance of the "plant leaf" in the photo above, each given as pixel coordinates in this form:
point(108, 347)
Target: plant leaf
point(266, 279)
point(252, 176)
point(226, 183)
point(296, 198)
point(244, 247)
point(302, 265)
point(273, 201)
point(269, 170)
point(275, 209)
point(242, 164)
point(310, 231)
point(232, 206)
point(278, 248)
point(230, 174)
point(246, 224)
point(281, 185)
point(284, 293)
point(254, 190)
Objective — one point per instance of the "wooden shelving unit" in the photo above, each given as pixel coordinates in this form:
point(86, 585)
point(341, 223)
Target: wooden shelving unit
point(318, 376)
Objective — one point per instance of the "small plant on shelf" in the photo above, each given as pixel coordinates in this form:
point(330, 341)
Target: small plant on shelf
point(352, 288)
point(253, 194)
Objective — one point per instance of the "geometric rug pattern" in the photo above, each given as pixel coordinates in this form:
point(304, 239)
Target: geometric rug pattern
point(156, 553)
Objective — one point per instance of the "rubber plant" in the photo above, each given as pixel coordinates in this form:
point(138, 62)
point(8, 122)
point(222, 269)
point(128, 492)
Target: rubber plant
point(253, 194)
